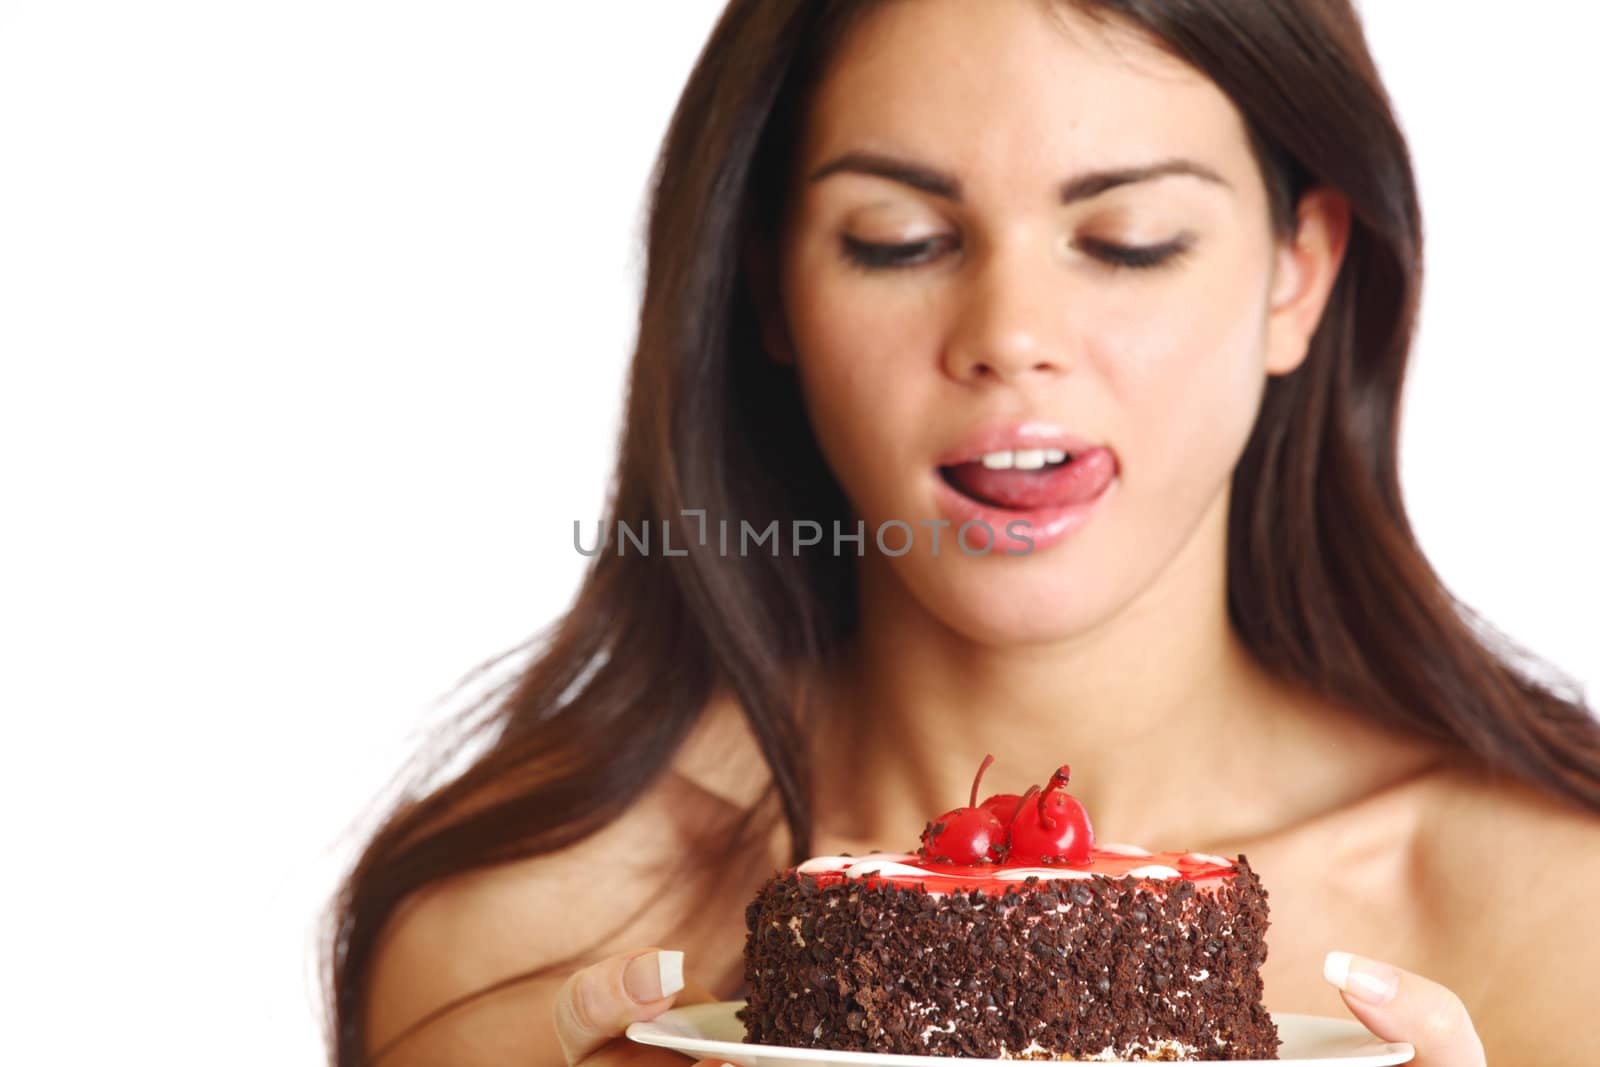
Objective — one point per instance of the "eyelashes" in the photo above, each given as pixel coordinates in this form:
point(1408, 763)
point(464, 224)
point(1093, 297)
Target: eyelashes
point(1139, 257)
point(871, 256)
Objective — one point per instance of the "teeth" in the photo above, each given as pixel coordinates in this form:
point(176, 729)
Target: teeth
point(1022, 459)
point(1030, 460)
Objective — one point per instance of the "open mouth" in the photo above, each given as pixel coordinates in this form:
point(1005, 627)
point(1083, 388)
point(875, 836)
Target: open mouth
point(1018, 481)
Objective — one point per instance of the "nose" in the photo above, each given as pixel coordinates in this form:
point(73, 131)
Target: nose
point(1011, 325)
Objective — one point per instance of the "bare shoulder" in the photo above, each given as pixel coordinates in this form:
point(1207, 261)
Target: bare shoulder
point(610, 893)
point(1513, 872)
point(1483, 828)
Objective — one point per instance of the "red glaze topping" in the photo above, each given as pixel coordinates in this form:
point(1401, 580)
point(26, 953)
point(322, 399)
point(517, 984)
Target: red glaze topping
point(1045, 832)
point(949, 877)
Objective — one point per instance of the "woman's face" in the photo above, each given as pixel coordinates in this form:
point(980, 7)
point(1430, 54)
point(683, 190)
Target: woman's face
point(1008, 309)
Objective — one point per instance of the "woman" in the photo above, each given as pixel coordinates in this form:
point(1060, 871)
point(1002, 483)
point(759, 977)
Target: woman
point(894, 250)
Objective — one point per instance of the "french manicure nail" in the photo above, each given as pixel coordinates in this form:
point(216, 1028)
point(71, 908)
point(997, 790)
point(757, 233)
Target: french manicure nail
point(1366, 980)
point(653, 975)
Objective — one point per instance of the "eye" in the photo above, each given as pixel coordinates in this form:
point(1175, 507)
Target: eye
point(869, 255)
point(1138, 257)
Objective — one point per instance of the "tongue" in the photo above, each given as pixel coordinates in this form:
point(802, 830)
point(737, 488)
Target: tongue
point(1051, 487)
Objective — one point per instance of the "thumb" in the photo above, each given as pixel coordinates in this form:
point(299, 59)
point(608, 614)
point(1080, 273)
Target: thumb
point(596, 1004)
point(1400, 1006)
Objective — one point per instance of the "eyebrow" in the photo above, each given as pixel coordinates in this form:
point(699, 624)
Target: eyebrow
point(1081, 187)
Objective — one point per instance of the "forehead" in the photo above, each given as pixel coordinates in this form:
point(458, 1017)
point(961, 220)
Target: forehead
point(1016, 94)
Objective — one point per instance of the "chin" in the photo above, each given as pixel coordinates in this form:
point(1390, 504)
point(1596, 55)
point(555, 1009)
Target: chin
point(1020, 604)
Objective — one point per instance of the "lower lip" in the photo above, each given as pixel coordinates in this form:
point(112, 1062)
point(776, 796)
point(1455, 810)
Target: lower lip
point(1045, 526)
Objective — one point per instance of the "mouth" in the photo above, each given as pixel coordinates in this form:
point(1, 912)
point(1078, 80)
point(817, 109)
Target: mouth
point(1025, 480)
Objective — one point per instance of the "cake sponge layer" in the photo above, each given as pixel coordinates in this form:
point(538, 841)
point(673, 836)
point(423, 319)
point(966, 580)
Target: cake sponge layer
point(1128, 968)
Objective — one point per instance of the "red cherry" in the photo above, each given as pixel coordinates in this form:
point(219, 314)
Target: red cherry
point(966, 835)
point(1016, 809)
point(1004, 805)
point(1054, 828)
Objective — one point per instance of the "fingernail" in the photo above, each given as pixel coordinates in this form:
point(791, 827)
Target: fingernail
point(653, 975)
point(1366, 980)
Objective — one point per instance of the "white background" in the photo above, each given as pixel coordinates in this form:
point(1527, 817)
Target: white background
point(314, 318)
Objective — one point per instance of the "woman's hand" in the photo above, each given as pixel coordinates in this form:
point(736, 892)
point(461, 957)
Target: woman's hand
point(596, 1005)
point(1400, 1006)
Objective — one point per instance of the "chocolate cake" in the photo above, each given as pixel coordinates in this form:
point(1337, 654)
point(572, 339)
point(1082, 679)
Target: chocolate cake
point(995, 947)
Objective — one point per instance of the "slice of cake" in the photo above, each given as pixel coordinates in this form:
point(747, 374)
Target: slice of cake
point(1013, 937)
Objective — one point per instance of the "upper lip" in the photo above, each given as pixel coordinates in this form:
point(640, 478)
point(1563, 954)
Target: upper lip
point(1011, 436)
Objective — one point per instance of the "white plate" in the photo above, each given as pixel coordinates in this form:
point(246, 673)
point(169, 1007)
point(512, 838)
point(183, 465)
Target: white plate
point(711, 1030)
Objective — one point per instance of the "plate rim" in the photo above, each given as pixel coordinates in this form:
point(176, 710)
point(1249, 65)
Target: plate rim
point(1403, 1049)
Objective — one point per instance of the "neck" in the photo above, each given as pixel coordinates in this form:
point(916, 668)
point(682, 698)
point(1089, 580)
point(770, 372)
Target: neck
point(1175, 735)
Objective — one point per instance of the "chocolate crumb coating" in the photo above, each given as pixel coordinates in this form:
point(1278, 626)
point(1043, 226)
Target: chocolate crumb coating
point(1147, 969)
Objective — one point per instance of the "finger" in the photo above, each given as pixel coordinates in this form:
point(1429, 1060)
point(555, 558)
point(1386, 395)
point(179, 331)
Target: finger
point(596, 1004)
point(1400, 1006)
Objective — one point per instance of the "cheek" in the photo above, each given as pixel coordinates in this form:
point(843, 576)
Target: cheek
point(857, 357)
point(1186, 369)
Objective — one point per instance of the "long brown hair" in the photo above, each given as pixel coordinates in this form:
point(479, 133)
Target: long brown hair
point(1326, 582)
